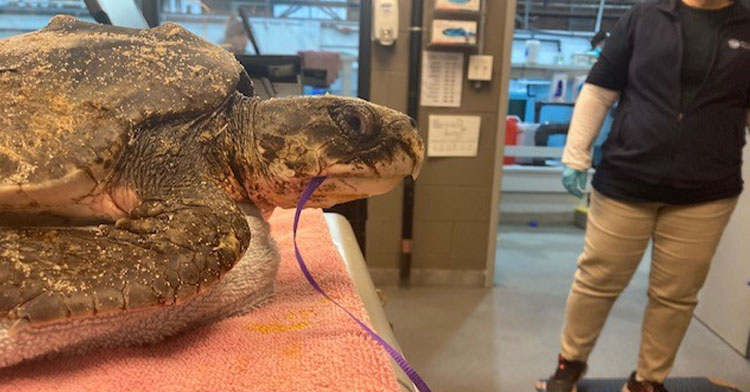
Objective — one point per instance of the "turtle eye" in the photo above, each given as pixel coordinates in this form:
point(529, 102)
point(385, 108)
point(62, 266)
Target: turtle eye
point(357, 122)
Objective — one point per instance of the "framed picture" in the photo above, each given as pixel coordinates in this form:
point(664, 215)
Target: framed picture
point(458, 5)
point(454, 32)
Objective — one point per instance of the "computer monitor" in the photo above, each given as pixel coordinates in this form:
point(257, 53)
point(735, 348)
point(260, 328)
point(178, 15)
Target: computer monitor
point(273, 76)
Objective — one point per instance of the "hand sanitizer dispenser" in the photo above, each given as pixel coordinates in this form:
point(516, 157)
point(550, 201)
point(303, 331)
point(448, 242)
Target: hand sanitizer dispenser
point(385, 21)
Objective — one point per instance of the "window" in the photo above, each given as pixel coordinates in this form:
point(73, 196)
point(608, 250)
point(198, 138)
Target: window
point(329, 28)
point(326, 32)
point(23, 16)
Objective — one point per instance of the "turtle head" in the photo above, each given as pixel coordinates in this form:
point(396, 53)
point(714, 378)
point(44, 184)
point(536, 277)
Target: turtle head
point(363, 149)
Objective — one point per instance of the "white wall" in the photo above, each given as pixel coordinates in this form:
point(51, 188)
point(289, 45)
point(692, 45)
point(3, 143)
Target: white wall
point(725, 300)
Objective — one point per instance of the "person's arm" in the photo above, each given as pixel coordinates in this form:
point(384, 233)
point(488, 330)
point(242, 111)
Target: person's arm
point(612, 66)
point(589, 113)
point(607, 79)
point(591, 108)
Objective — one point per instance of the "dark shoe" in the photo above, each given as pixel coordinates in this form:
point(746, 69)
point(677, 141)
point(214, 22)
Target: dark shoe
point(565, 378)
point(642, 386)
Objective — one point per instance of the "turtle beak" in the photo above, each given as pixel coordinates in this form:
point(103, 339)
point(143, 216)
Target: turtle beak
point(417, 169)
point(418, 151)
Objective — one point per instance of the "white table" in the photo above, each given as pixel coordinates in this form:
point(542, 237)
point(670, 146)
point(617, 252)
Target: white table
point(346, 243)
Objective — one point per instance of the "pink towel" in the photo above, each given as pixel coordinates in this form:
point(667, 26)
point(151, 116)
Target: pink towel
point(327, 61)
point(299, 342)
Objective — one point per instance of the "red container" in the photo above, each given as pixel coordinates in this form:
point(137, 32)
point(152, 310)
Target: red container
point(511, 136)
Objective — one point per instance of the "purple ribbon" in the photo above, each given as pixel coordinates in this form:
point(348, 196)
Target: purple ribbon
point(400, 360)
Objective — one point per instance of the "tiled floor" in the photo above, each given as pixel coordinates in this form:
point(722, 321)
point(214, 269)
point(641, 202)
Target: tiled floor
point(481, 340)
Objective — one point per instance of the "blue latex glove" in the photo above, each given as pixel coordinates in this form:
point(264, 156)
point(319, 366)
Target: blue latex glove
point(575, 181)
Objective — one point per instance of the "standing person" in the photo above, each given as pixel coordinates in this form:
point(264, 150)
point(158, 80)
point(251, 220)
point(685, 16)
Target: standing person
point(671, 173)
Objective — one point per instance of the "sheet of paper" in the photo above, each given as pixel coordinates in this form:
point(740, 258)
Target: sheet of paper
point(454, 32)
point(453, 136)
point(442, 79)
point(457, 5)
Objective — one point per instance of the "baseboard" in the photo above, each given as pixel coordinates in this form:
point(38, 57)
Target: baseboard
point(545, 218)
point(430, 277)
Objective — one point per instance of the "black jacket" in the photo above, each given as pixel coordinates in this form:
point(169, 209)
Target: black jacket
point(656, 151)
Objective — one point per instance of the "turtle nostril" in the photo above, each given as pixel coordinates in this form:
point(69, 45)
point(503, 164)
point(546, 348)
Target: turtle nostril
point(413, 122)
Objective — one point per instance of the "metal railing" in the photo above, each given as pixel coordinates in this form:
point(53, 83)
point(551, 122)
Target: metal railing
point(532, 13)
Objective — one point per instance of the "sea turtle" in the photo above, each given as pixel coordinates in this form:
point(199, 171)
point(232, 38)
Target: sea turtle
point(135, 170)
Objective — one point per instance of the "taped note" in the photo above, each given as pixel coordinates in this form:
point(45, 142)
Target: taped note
point(453, 136)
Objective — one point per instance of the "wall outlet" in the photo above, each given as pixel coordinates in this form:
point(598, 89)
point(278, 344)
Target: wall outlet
point(480, 68)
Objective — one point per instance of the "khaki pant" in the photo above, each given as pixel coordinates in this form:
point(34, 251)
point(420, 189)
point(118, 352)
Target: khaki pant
point(685, 239)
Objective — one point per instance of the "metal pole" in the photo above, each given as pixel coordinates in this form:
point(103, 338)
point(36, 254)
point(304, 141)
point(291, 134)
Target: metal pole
point(599, 16)
point(97, 12)
point(150, 10)
point(526, 10)
point(365, 49)
point(415, 65)
point(481, 36)
point(482, 27)
point(248, 28)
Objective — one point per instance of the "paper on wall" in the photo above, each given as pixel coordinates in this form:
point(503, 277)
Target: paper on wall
point(457, 5)
point(442, 79)
point(454, 32)
point(453, 136)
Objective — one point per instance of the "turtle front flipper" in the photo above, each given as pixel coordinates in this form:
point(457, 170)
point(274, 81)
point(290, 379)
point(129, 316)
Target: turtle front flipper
point(162, 255)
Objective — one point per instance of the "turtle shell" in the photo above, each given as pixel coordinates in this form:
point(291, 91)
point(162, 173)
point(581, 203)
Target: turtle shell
point(73, 93)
